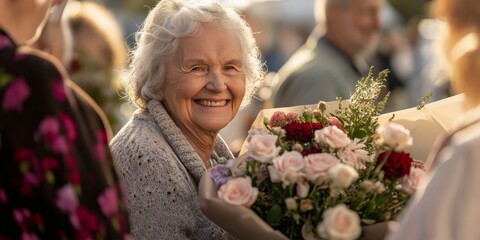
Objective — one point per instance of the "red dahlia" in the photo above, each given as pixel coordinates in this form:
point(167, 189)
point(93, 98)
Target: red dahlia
point(301, 131)
point(397, 165)
point(312, 150)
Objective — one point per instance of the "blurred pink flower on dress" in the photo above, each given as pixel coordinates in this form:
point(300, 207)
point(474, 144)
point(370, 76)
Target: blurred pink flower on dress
point(21, 215)
point(4, 42)
point(29, 236)
point(354, 154)
point(108, 201)
point(239, 191)
point(67, 200)
point(49, 128)
point(263, 147)
point(59, 145)
point(84, 219)
point(317, 165)
point(58, 89)
point(3, 196)
point(278, 119)
point(333, 136)
point(31, 179)
point(128, 237)
point(15, 95)
point(70, 126)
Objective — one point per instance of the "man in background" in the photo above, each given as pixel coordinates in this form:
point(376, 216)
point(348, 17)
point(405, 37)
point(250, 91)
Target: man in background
point(328, 65)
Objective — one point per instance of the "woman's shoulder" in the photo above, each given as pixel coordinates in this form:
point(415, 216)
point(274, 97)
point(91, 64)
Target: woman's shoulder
point(139, 135)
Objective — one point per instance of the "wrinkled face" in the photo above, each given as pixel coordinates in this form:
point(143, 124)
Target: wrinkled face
point(204, 81)
point(361, 22)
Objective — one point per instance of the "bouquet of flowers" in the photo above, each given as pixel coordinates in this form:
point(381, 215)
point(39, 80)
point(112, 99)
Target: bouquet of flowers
point(319, 175)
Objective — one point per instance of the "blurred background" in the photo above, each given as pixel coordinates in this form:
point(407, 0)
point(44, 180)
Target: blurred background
point(408, 45)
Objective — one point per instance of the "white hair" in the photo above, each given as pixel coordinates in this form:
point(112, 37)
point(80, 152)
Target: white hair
point(171, 20)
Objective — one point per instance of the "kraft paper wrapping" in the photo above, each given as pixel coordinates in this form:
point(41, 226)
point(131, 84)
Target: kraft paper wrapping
point(425, 125)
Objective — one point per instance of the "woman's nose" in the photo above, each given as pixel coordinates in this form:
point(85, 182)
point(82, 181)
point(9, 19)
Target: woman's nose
point(216, 81)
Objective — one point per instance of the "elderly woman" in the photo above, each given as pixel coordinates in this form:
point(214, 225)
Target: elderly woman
point(195, 64)
point(446, 203)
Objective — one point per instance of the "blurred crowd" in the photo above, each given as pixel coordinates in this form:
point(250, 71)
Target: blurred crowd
point(98, 34)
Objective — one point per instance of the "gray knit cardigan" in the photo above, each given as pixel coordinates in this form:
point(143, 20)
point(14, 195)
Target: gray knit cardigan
point(160, 172)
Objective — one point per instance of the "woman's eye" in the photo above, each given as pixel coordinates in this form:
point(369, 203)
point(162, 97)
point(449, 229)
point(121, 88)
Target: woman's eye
point(231, 67)
point(196, 69)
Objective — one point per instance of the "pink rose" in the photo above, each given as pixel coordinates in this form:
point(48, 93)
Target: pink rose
point(333, 121)
point(239, 191)
point(108, 201)
point(318, 164)
point(291, 117)
point(15, 95)
point(354, 154)
point(277, 119)
point(289, 161)
point(333, 136)
point(67, 200)
point(340, 222)
point(410, 182)
point(263, 147)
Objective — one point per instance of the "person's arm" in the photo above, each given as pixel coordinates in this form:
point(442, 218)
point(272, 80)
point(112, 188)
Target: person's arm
point(448, 208)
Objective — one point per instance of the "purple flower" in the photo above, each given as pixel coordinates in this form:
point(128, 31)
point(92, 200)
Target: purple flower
point(49, 128)
point(60, 145)
point(220, 175)
point(15, 95)
point(67, 121)
point(29, 236)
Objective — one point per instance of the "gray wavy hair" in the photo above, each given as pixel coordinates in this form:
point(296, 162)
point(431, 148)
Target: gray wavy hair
point(171, 20)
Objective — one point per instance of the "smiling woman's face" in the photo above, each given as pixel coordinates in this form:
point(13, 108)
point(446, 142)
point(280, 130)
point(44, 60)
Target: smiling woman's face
point(204, 81)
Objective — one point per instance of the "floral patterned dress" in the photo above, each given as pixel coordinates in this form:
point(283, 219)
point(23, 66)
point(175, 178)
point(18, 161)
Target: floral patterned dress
point(57, 179)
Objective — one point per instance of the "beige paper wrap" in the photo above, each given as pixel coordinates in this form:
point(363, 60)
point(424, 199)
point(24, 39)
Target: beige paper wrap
point(425, 125)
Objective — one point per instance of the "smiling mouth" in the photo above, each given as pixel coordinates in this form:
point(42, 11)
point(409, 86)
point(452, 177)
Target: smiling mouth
point(209, 103)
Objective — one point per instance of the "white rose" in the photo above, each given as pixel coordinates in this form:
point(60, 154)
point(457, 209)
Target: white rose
point(302, 189)
point(340, 223)
point(395, 136)
point(410, 182)
point(318, 164)
point(291, 203)
point(263, 147)
point(238, 191)
point(333, 136)
point(354, 154)
point(274, 174)
point(342, 175)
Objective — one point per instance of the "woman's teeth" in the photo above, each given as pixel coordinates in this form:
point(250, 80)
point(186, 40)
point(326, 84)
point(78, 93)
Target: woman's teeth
point(212, 103)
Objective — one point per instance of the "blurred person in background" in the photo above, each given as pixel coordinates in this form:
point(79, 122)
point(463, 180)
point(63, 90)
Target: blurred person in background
point(327, 66)
point(445, 205)
point(89, 42)
point(57, 179)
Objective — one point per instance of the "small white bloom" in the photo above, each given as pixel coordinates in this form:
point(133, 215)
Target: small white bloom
point(340, 223)
point(318, 164)
point(280, 132)
point(257, 131)
point(291, 177)
point(238, 191)
point(342, 175)
point(297, 147)
point(410, 182)
point(395, 136)
point(274, 174)
point(291, 203)
point(302, 189)
point(354, 154)
point(333, 136)
point(263, 147)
